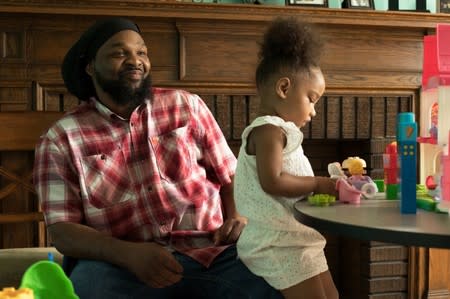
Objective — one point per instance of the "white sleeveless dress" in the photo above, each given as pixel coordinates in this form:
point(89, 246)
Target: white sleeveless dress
point(274, 244)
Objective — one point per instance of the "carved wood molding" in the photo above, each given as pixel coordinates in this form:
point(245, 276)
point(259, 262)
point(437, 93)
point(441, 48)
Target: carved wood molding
point(235, 12)
point(16, 181)
point(214, 46)
point(13, 47)
point(42, 89)
point(20, 218)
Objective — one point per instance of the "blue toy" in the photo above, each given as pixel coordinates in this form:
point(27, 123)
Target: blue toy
point(407, 155)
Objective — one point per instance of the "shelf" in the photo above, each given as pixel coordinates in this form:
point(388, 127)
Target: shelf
point(225, 12)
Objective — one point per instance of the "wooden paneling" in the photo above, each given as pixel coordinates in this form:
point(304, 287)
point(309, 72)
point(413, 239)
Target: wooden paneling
point(221, 52)
point(19, 216)
point(22, 133)
point(439, 274)
point(429, 271)
point(13, 46)
point(14, 96)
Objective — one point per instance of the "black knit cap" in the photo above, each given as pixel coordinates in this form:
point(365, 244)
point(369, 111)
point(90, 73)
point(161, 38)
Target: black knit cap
point(77, 81)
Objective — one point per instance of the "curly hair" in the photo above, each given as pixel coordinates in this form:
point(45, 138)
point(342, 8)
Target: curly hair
point(289, 45)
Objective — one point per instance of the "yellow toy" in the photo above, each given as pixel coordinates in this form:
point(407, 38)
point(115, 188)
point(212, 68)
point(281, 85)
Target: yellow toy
point(355, 165)
point(12, 293)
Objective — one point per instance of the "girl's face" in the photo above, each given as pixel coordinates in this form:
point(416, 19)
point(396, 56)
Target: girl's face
point(300, 97)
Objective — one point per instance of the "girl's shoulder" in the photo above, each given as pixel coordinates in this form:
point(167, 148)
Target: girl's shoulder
point(293, 134)
point(287, 127)
point(268, 119)
point(261, 121)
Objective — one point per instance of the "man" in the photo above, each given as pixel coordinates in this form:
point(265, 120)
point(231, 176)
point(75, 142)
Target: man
point(136, 182)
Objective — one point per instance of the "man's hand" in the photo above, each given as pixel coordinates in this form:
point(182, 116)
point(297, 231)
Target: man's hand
point(230, 230)
point(154, 265)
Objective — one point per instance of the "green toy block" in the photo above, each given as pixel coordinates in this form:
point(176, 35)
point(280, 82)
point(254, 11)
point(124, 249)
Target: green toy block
point(321, 200)
point(380, 184)
point(426, 203)
point(391, 191)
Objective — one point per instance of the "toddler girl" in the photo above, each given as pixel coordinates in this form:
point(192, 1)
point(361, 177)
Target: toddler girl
point(273, 172)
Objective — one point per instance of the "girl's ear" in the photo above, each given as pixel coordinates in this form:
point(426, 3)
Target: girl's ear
point(282, 87)
point(89, 69)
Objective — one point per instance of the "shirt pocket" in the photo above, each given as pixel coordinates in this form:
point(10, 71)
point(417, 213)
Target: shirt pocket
point(105, 179)
point(173, 154)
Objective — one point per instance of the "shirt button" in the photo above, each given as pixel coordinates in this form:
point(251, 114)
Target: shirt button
point(103, 157)
point(149, 189)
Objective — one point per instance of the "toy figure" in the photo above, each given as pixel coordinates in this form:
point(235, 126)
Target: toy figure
point(358, 179)
point(356, 184)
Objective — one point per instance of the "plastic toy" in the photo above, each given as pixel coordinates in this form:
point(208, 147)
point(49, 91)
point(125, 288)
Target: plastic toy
point(12, 293)
point(445, 178)
point(380, 184)
point(347, 192)
point(48, 281)
point(321, 200)
point(390, 170)
point(356, 168)
point(407, 151)
point(424, 200)
point(335, 170)
point(354, 186)
point(434, 121)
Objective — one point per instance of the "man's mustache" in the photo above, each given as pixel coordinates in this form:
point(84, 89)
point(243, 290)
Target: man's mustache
point(131, 69)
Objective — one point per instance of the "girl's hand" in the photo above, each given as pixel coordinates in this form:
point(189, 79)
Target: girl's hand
point(325, 185)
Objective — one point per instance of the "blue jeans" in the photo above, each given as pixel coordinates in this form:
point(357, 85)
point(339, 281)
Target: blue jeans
point(226, 278)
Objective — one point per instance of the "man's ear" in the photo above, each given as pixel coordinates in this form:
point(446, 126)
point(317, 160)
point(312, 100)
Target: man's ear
point(89, 69)
point(282, 87)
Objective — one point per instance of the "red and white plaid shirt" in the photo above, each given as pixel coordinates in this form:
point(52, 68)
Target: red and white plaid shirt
point(155, 176)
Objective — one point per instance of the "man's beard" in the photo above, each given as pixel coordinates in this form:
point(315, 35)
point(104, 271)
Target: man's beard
point(122, 93)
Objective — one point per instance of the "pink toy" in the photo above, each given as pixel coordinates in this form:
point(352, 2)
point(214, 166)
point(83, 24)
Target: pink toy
point(434, 121)
point(347, 193)
point(357, 184)
point(430, 183)
point(445, 178)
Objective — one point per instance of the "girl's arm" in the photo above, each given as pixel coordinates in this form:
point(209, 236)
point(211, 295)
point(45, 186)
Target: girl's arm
point(267, 143)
